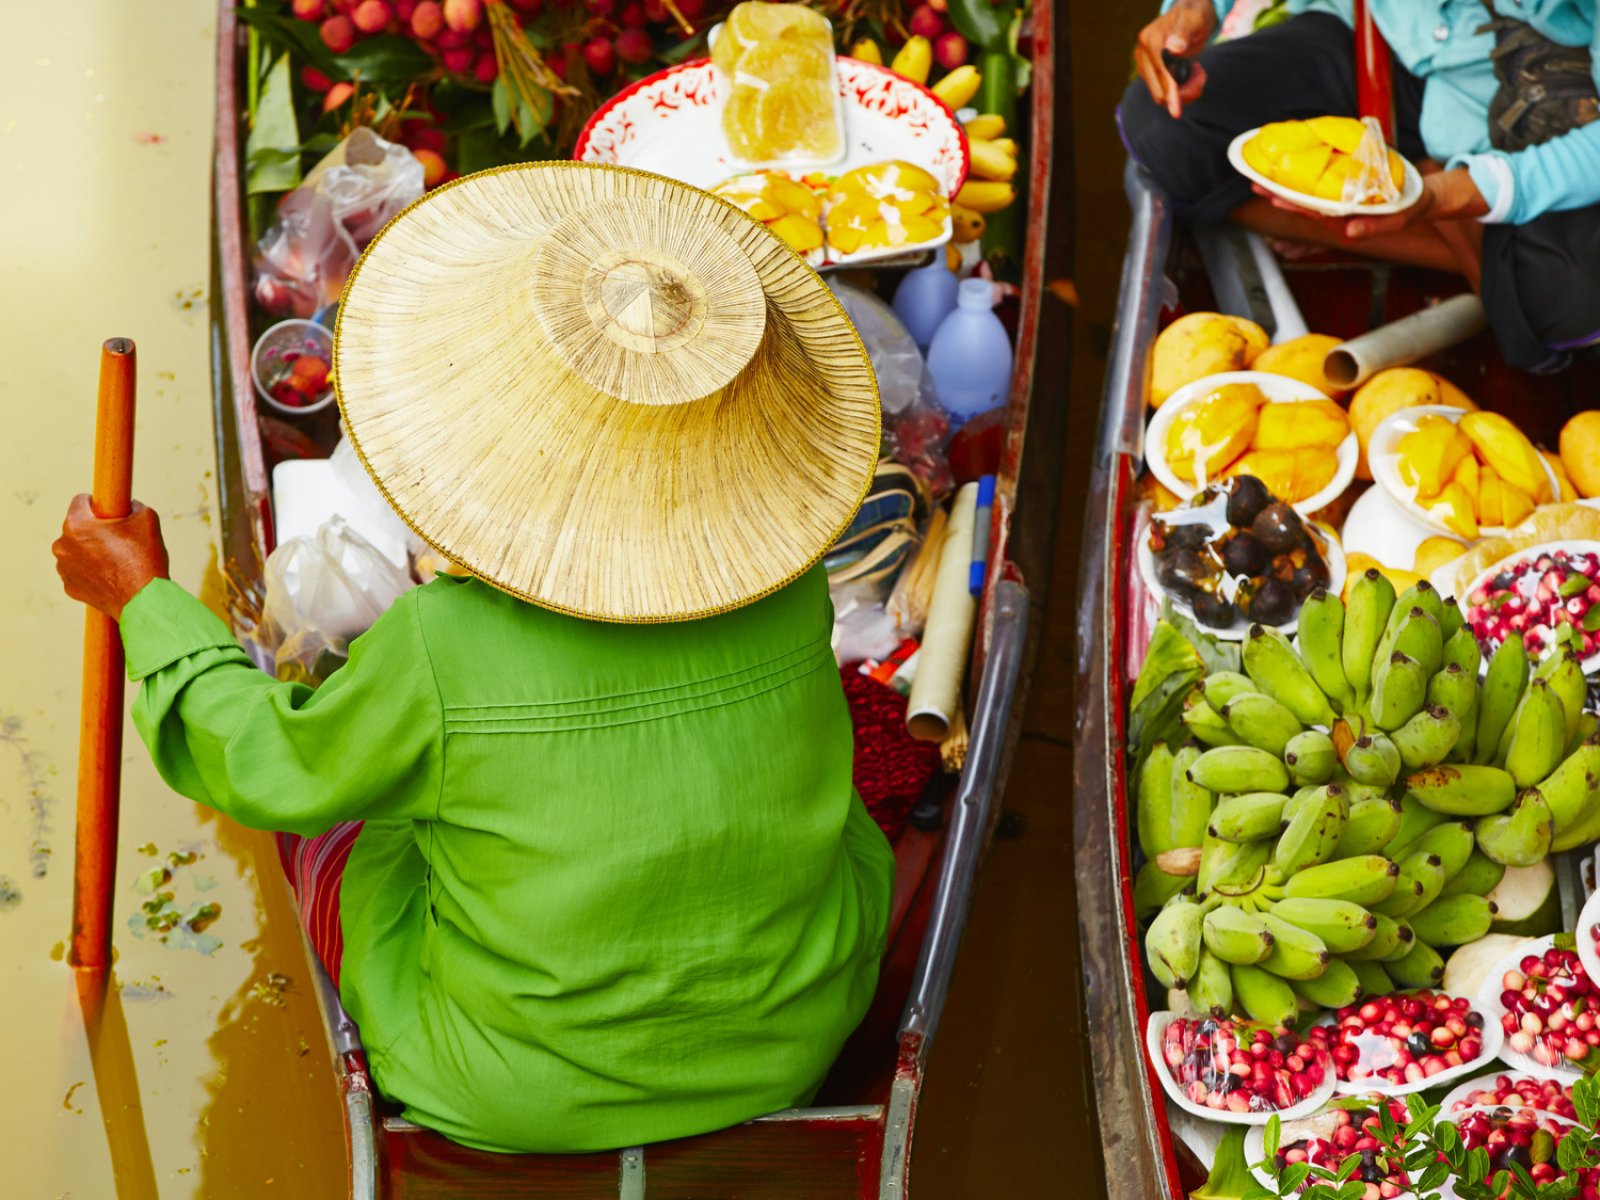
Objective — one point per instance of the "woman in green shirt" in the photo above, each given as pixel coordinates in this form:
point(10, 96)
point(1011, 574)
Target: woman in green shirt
point(614, 884)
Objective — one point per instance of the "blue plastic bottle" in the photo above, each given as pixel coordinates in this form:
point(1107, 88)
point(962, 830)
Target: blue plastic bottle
point(924, 298)
point(970, 358)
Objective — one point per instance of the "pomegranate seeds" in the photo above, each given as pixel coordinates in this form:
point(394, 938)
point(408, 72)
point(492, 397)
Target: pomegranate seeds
point(1402, 1039)
point(1535, 596)
point(1232, 1067)
point(1552, 1009)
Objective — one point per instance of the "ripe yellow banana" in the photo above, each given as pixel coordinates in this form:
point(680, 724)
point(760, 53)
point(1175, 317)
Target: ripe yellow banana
point(968, 224)
point(914, 60)
point(985, 196)
point(867, 51)
point(989, 161)
point(959, 87)
point(986, 125)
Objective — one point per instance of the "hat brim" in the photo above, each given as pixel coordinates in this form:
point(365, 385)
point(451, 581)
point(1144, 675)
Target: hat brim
point(503, 458)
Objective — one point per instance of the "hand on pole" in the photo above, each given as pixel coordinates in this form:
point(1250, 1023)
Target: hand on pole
point(105, 563)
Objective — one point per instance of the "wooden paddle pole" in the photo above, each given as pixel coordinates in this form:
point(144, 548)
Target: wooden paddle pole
point(100, 723)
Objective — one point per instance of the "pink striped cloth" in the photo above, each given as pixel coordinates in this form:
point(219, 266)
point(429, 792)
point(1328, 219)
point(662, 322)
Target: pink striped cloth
point(315, 867)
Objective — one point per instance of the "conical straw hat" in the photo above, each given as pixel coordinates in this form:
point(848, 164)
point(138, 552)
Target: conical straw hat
point(605, 392)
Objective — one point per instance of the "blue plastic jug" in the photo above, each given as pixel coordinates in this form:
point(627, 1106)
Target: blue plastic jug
point(925, 298)
point(970, 358)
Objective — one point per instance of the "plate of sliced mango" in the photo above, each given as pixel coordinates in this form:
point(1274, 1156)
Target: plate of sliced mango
point(1315, 165)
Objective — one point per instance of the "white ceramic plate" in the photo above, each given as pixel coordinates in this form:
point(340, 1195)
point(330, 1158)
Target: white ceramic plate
point(1477, 1084)
point(1255, 1143)
point(1492, 1037)
point(671, 123)
point(1591, 664)
point(1378, 527)
point(1489, 1004)
point(1279, 389)
point(1236, 632)
point(1154, 1030)
point(1410, 191)
point(1384, 458)
point(1588, 918)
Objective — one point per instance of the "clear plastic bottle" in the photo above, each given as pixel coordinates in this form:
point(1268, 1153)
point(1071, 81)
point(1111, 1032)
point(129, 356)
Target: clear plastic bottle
point(970, 357)
point(925, 298)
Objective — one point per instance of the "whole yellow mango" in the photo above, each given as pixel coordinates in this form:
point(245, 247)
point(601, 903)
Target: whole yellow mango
point(1387, 393)
point(1301, 358)
point(1506, 448)
point(1580, 451)
point(1306, 423)
point(1434, 552)
point(1213, 431)
point(1198, 345)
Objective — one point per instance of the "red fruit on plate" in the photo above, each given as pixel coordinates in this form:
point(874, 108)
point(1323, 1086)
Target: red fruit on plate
point(427, 20)
point(601, 55)
point(338, 34)
point(372, 16)
point(463, 16)
point(950, 50)
point(634, 46)
point(925, 22)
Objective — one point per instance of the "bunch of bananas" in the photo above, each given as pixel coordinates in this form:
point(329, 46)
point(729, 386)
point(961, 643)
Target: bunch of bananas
point(1344, 807)
point(993, 155)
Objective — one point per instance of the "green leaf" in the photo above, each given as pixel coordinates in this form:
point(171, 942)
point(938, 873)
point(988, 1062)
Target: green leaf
point(1436, 1174)
point(386, 58)
point(1293, 1176)
point(1447, 1136)
point(1477, 1165)
point(1573, 585)
point(294, 36)
point(1591, 619)
point(1347, 1168)
point(500, 100)
point(272, 163)
point(1270, 1137)
point(1586, 1099)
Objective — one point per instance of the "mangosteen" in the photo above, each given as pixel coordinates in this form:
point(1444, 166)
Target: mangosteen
point(1242, 554)
point(1213, 611)
point(1183, 573)
point(1247, 497)
point(1188, 537)
point(1272, 603)
point(1310, 577)
point(1278, 528)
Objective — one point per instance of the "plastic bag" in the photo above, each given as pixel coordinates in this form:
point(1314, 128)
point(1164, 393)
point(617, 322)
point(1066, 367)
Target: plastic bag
point(1373, 182)
point(370, 513)
point(321, 227)
point(915, 427)
point(323, 591)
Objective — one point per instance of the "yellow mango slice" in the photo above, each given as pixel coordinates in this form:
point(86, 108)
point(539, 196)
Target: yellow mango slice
point(1516, 506)
point(1388, 392)
point(1308, 423)
point(1489, 496)
point(1466, 474)
point(1330, 185)
point(1213, 431)
point(1454, 508)
point(801, 232)
point(1284, 137)
point(1430, 454)
point(1342, 133)
point(795, 197)
point(1299, 170)
point(1504, 447)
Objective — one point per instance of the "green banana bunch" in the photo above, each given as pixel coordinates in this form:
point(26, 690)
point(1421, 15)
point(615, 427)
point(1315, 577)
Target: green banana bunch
point(1568, 789)
point(1399, 689)
point(1211, 986)
point(1337, 986)
point(1454, 920)
point(1343, 926)
point(1258, 720)
point(1296, 953)
point(1520, 836)
point(1320, 639)
point(1234, 769)
point(1372, 825)
point(1173, 942)
point(1536, 736)
point(1498, 698)
point(1453, 689)
point(1311, 757)
point(1236, 936)
point(1205, 724)
point(1373, 759)
point(1462, 789)
point(1364, 879)
point(1427, 738)
point(1366, 617)
point(1263, 996)
point(1313, 831)
point(1272, 663)
point(1153, 798)
point(1172, 810)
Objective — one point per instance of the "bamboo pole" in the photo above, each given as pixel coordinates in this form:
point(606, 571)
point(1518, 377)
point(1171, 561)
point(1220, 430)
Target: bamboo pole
point(100, 722)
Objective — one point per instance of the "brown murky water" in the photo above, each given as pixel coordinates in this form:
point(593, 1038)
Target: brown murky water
point(208, 1072)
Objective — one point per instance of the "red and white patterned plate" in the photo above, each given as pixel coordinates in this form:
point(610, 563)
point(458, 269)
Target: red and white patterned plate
point(671, 123)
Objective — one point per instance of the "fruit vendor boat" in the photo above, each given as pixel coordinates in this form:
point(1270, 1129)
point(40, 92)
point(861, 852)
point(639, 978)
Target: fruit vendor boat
point(1166, 273)
point(856, 1140)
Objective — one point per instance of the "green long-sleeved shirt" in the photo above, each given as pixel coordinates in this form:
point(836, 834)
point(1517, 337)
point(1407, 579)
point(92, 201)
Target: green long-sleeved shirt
point(614, 886)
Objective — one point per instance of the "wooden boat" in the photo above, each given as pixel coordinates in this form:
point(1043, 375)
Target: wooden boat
point(856, 1140)
point(1166, 271)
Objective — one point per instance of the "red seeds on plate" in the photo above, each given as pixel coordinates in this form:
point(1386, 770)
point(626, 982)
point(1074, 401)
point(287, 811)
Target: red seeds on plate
point(1402, 1038)
point(1233, 1067)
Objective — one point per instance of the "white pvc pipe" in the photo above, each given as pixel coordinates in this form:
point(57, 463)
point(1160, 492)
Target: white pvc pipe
point(1404, 341)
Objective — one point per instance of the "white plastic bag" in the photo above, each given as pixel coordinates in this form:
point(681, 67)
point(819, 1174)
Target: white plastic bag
point(1374, 183)
point(324, 590)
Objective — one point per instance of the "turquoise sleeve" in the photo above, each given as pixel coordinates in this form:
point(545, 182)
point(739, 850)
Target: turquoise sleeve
point(277, 755)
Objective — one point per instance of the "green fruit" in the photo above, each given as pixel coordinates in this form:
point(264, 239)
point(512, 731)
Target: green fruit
point(1249, 817)
point(1416, 819)
point(1374, 979)
point(1421, 880)
point(1537, 735)
point(1272, 663)
point(1480, 876)
point(1498, 697)
point(1521, 836)
point(1235, 769)
point(1416, 635)
point(1373, 759)
point(1320, 639)
point(1366, 616)
point(1569, 686)
point(1388, 936)
point(1451, 618)
point(1153, 887)
point(1421, 967)
point(1259, 720)
point(1296, 953)
point(1569, 788)
point(1153, 801)
point(1236, 936)
point(1220, 687)
point(1462, 789)
point(1453, 920)
point(1172, 943)
point(1205, 724)
point(1313, 833)
point(1263, 996)
point(1399, 690)
point(1337, 986)
point(1310, 757)
point(1461, 648)
point(1231, 865)
point(1453, 689)
point(1365, 880)
point(1342, 926)
point(1374, 820)
point(1450, 842)
point(1427, 738)
point(1211, 986)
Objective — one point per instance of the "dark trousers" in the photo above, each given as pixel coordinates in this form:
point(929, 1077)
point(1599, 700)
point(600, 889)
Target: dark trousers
point(1541, 280)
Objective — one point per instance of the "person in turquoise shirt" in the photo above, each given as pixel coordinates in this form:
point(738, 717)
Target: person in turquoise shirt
point(1521, 220)
point(613, 883)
